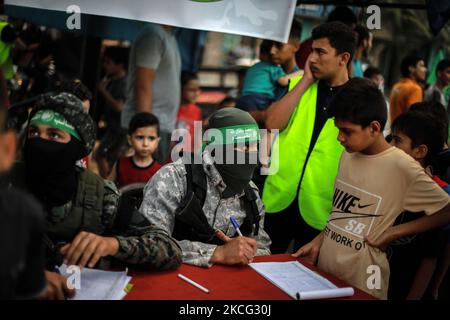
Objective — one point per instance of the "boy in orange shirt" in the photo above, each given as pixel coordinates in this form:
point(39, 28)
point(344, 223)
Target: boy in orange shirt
point(408, 91)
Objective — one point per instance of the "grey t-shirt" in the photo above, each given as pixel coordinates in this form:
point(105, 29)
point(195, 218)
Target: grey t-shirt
point(156, 49)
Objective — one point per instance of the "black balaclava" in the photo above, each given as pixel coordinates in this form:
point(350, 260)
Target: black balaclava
point(50, 166)
point(50, 169)
point(237, 176)
point(238, 128)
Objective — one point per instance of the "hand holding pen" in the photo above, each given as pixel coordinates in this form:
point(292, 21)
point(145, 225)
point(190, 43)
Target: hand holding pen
point(239, 250)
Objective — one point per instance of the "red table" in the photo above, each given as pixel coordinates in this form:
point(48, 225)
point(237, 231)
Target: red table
point(223, 282)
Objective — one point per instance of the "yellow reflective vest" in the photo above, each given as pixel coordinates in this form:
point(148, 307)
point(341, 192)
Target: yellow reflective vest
point(5, 55)
point(312, 178)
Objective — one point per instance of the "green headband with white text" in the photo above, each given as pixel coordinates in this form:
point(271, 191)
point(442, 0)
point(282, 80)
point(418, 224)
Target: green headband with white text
point(54, 120)
point(233, 134)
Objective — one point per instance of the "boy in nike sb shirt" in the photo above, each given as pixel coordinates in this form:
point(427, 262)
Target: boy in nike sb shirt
point(375, 183)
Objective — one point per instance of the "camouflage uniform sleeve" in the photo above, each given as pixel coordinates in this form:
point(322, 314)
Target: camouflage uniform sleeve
point(141, 244)
point(263, 239)
point(162, 197)
point(110, 203)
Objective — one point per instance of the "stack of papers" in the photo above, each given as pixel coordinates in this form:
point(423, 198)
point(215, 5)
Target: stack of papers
point(96, 284)
point(298, 281)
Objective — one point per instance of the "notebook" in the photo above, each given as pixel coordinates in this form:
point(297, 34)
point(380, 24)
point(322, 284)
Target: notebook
point(298, 281)
point(93, 284)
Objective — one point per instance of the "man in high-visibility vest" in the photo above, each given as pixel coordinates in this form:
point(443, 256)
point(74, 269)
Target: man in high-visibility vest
point(305, 157)
point(8, 36)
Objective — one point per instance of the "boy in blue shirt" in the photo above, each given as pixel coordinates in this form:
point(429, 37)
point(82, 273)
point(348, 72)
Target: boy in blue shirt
point(262, 80)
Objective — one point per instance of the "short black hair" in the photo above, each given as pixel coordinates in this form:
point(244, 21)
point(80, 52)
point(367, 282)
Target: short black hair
point(372, 71)
point(343, 14)
point(362, 34)
point(226, 101)
point(9, 34)
point(340, 36)
point(420, 127)
point(442, 65)
point(187, 76)
point(141, 120)
point(117, 54)
point(437, 110)
point(359, 102)
point(409, 60)
point(77, 88)
point(265, 47)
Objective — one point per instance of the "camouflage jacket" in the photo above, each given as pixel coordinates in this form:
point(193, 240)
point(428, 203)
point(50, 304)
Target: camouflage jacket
point(164, 193)
point(140, 243)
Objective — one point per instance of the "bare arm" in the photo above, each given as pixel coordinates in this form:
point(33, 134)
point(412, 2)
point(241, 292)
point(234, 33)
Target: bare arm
point(423, 224)
point(259, 116)
point(143, 89)
point(284, 80)
point(279, 113)
point(115, 104)
point(310, 251)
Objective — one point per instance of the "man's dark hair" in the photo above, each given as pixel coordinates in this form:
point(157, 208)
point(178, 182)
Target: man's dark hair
point(420, 127)
point(141, 120)
point(9, 34)
point(340, 36)
point(442, 65)
point(187, 76)
point(362, 33)
point(77, 88)
point(342, 14)
point(117, 54)
point(372, 71)
point(410, 60)
point(359, 102)
point(437, 110)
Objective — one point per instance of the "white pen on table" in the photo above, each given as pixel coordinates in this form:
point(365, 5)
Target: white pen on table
point(195, 284)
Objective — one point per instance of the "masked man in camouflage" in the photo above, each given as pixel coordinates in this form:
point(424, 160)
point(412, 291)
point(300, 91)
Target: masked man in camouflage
point(82, 218)
point(194, 197)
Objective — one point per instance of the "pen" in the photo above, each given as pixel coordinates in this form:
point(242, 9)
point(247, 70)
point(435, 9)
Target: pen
point(236, 226)
point(195, 284)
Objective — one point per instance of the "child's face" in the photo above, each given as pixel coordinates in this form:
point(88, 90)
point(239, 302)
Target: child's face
point(403, 142)
point(111, 68)
point(144, 141)
point(282, 53)
point(419, 72)
point(353, 137)
point(191, 91)
point(8, 144)
point(444, 76)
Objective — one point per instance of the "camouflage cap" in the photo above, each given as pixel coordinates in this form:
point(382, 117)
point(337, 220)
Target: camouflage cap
point(71, 108)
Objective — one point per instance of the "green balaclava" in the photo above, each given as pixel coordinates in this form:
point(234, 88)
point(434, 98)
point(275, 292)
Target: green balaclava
point(230, 129)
